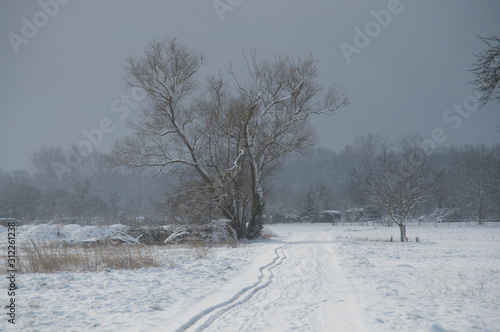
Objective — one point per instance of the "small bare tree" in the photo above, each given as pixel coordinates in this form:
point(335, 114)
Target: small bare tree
point(487, 70)
point(227, 137)
point(400, 180)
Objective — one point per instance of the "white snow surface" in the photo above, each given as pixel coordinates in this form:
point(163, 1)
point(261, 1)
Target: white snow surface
point(310, 277)
point(68, 233)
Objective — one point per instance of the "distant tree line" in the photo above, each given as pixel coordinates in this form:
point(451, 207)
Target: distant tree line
point(87, 189)
point(304, 185)
point(321, 179)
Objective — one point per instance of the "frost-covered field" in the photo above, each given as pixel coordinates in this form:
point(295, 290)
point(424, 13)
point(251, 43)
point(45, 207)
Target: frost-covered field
point(309, 278)
point(448, 281)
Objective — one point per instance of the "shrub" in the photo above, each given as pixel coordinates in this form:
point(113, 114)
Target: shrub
point(149, 235)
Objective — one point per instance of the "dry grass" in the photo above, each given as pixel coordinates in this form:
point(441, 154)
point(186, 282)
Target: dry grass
point(55, 257)
point(391, 239)
point(233, 243)
point(199, 249)
point(365, 239)
point(267, 234)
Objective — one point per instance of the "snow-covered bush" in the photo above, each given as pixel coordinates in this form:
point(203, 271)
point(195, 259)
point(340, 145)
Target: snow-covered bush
point(149, 235)
point(217, 232)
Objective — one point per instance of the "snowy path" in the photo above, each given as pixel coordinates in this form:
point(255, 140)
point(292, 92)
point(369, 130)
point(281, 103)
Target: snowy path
point(301, 288)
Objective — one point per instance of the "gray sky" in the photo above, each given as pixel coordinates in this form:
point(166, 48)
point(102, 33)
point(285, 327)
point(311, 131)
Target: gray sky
point(64, 78)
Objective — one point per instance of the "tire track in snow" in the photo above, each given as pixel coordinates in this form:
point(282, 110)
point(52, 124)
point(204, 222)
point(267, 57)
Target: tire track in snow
point(290, 278)
point(260, 310)
point(207, 317)
point(310, 293)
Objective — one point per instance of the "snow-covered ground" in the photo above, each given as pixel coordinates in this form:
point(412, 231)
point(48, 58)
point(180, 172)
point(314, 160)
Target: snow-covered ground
point(309, 278)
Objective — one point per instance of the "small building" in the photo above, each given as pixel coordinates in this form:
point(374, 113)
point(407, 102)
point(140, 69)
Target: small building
point(280, 218)
point(331, 216)
point(355, 214)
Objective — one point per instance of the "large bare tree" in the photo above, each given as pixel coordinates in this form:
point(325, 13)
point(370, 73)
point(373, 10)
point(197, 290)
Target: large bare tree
point(401, 179)
point(279, 100)
point(227, 136)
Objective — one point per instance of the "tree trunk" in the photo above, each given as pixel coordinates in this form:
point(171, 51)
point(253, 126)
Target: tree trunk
point(237, 224)
point(239, 227)
point(254, 229)
point(480, 214)
point(402, 229)
point(256, 224)
point(231, 210)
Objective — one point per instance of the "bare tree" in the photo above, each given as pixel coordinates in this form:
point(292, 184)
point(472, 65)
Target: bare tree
point(477, 176)
point(400, 180)
point(367, 146)
point(487, 70)
point(19, 200)
point(279, 101)
point(230, 137)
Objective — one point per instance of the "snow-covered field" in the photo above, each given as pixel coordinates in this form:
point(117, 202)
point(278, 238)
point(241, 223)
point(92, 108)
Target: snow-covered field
point(308, 278)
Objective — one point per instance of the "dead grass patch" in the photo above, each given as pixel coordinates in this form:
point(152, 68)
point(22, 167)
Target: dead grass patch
point(267, 234)
point(391, 239)
point(365, 239)
point(40, 257)
point(199, 249)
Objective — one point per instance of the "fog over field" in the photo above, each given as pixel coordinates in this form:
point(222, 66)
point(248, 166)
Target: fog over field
point(62, 63)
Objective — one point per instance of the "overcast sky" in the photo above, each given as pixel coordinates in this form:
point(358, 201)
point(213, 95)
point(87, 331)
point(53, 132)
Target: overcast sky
point(61, 66)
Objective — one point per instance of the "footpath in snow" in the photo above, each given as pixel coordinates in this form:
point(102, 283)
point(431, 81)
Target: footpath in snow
point(309, 278)
point(299, 287)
